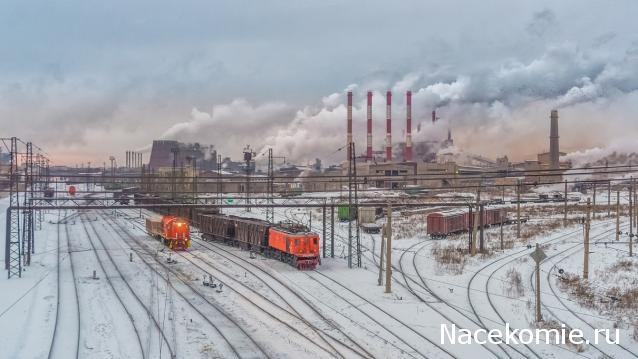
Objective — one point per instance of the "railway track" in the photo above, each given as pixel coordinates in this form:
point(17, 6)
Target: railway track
point(361, 351)
point(423, 285)
point(438, 346)
point(218, 248)
point(489, 295)
point(565, 306)
point(55, 345)
point(247, 348)
point(508, 259)
point(292, 312)
point(110, 282)
point(407, 281)
point(338, 236)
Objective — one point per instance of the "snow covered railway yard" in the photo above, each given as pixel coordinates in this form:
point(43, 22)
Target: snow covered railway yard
point(100, 287)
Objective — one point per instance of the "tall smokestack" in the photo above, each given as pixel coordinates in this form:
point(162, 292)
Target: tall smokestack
point(388, 130)
point(554, 152)
point(408, 131)
point(349, 117)
point(369, 140)
point(127, 159)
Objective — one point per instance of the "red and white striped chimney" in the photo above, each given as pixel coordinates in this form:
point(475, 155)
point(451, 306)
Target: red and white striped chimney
point(349, 118)
point(388, 136)
point(369, 148)
point(408, 135)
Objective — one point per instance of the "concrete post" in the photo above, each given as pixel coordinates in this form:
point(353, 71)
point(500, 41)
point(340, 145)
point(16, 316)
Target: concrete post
point(586, 247)
point(388, 270)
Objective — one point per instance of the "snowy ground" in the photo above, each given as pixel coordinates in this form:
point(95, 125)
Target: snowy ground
point(142, 307)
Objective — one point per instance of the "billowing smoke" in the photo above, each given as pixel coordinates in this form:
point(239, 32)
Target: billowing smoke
point(493, 111)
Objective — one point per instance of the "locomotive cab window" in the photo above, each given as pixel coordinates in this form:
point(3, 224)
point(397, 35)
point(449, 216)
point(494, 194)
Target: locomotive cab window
point(314, 241)
point(297, 242)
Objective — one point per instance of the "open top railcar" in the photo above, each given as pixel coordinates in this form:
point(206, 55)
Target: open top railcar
point(290, 243)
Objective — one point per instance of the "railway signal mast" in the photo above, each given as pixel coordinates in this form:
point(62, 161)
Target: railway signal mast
point(248, 157)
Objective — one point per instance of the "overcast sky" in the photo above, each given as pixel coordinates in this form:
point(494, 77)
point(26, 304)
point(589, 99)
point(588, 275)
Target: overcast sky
point(87, 79)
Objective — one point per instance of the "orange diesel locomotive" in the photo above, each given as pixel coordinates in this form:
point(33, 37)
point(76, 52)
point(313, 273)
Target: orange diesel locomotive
point(173, 231)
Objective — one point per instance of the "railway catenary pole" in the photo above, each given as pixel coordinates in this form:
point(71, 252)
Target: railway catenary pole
point(594, 204)
point(481, 234)
point(332, 229)
point(476, 220)
point(270, 212)
point(175, 151)
point(381, 254)
point(518, 208)
point(388, 269)
point(631, 232)
point(501, 230)
point(586, 246)
point(633, 186)
point(323, 221)
point(219, 180)
point(470, 225)
point(565, 206)
point(350, 205)
point(356, 204)
point(13, 251)
point(617, 215)
point(608, 198)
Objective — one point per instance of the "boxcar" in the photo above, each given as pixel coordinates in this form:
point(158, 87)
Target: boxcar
point(441, 224)
point(343, 213)
point(447, 222)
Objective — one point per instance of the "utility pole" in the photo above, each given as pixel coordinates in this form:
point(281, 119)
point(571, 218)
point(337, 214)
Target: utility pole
point(248, 156)
point(356, 205)
point(518, 208)
point(538, 255)
point(502, 246)
point(586, 252)
point(477, 219)
point(323, 221)
point(617, 215)
point(332, 229)
point(175, 151)
point(481, 235)
point(383, 234)
point(388, 234)
point(350, 209)
point(220, 187)
point(631, 231)
point(608, 198)
point(565, 207)
point(270, 211)
point(594, 205)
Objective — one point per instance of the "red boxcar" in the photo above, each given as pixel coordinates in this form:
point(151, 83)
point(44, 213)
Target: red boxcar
point(444, 223)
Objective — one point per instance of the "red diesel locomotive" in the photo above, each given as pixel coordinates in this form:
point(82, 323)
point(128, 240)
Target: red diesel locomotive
point(173, 231)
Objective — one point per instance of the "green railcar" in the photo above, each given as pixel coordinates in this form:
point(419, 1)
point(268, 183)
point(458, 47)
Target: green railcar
point(344, 214)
